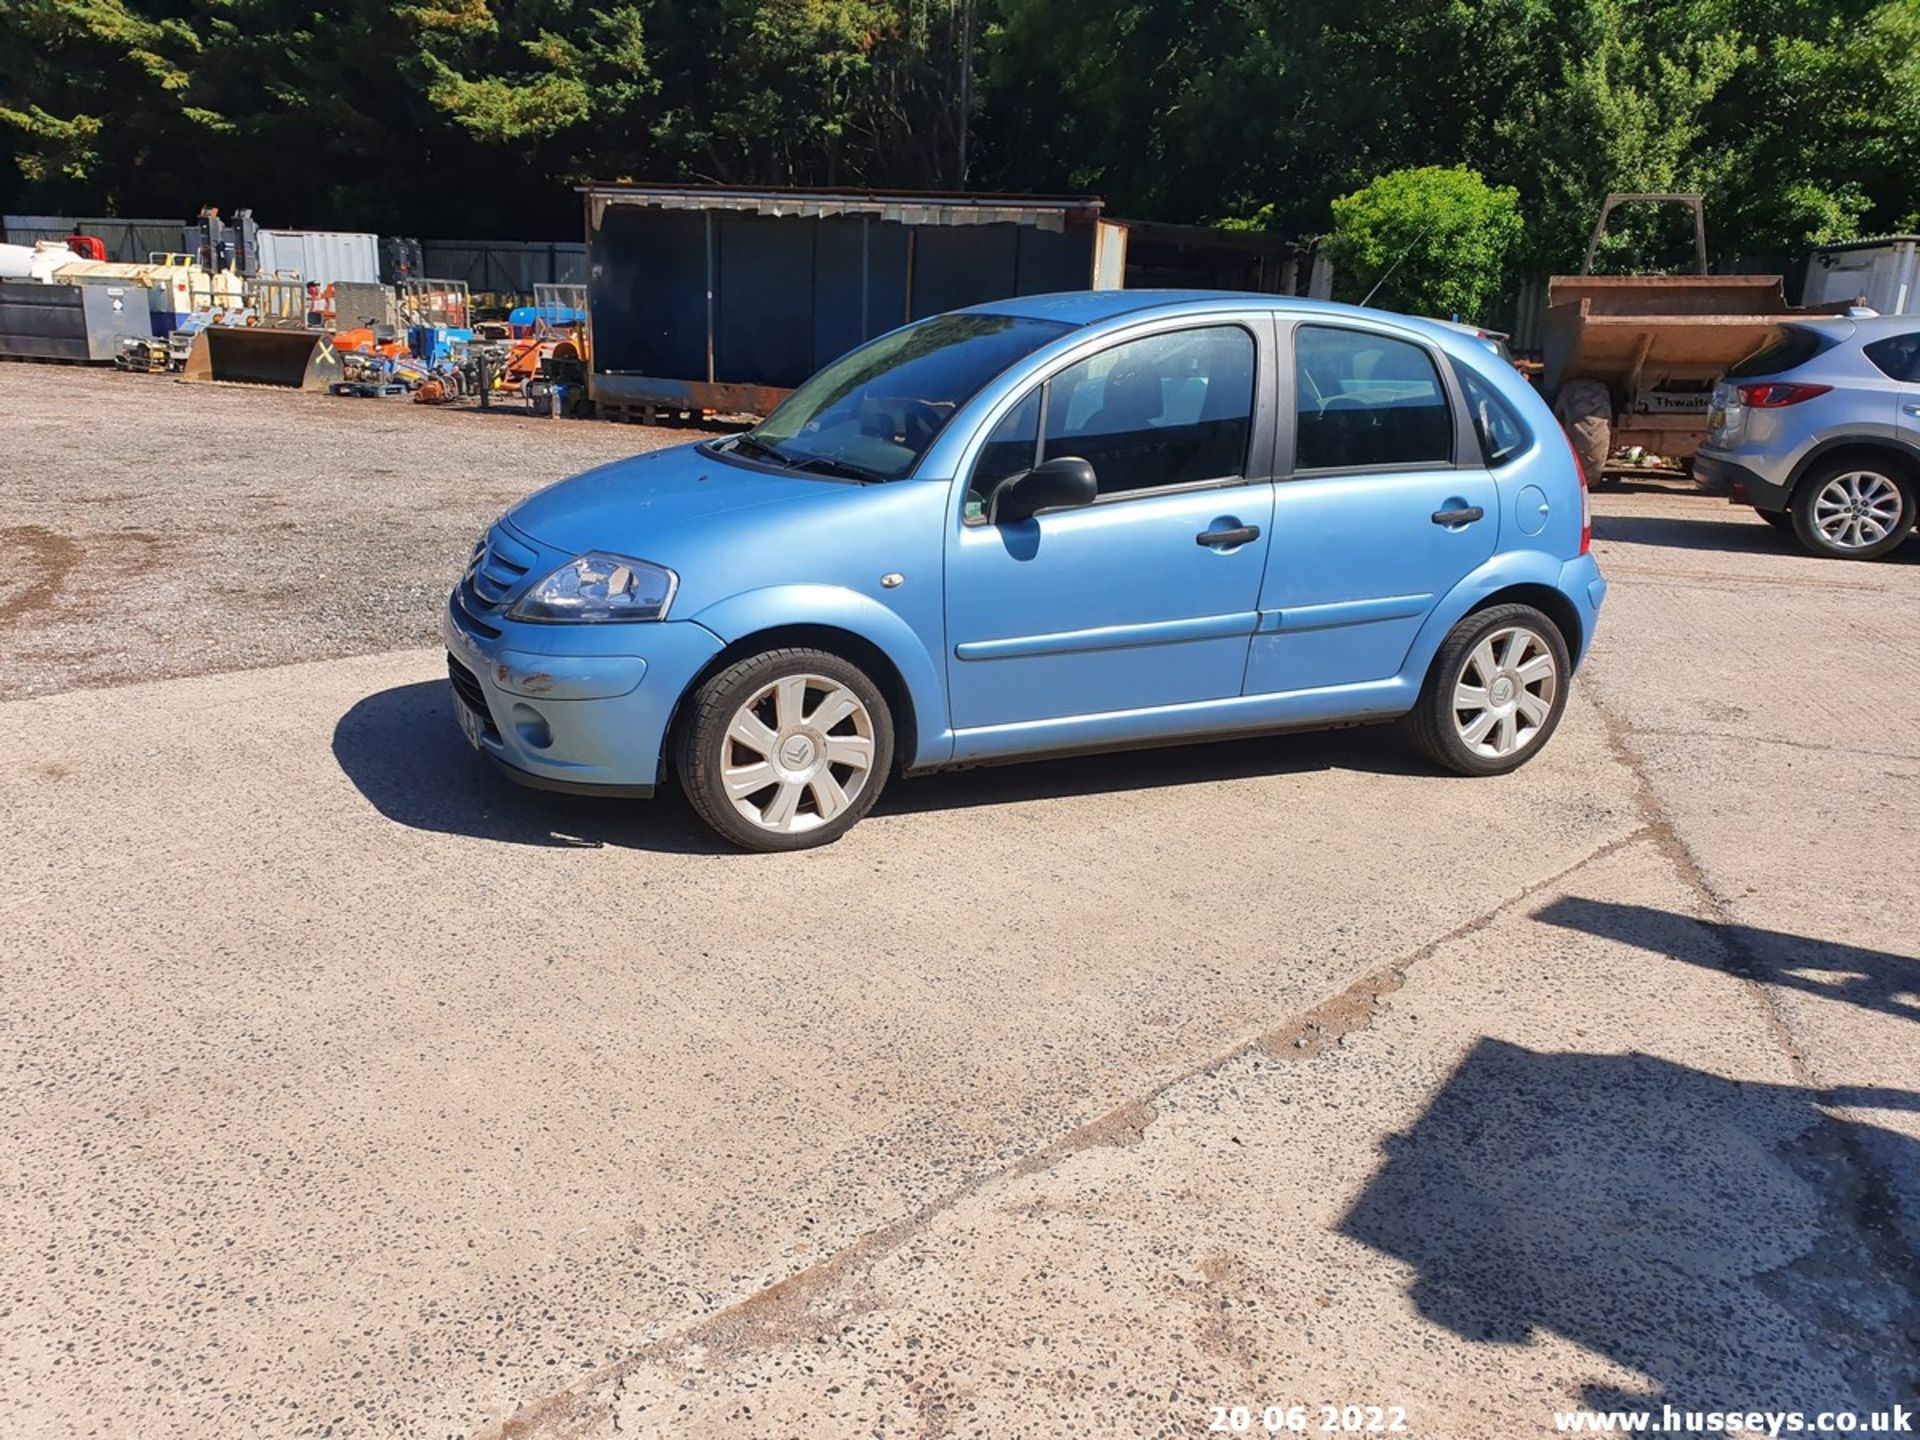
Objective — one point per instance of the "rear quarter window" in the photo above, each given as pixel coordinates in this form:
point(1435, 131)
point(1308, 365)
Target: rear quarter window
point(1501, 431)
point(1793, 349)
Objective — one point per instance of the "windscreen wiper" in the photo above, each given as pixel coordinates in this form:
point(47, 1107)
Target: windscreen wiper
point(745, 441)
point(827, 465)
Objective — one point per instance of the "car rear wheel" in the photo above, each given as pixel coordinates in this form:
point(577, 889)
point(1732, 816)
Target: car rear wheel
point(786, 750)
point(1853, 510)
point(1494, 693)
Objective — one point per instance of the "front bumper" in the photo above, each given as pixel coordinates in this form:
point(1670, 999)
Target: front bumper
point(575, 708)
point(1742, 485)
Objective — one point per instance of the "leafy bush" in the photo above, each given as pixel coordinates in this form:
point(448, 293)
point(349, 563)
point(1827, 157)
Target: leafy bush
point(1439, 237)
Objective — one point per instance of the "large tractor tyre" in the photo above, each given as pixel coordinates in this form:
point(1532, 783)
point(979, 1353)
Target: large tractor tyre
point(1585, 411)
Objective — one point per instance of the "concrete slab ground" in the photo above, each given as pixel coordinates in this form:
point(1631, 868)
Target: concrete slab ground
point(350, 1091)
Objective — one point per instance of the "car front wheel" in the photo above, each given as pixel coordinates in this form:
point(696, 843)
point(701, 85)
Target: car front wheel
point(1853, 511)
point(786, 750)
point(1494, 693)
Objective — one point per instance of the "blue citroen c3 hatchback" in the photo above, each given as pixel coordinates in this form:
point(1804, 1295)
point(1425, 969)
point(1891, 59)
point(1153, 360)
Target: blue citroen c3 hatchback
point(1048, 524)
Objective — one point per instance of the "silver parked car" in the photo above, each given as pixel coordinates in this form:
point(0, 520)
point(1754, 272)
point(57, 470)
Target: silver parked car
point(1820, 433)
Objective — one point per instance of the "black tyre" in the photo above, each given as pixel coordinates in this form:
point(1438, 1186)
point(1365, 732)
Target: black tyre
point(1494, 694)
point(1853, 509)
point(785, 750)
point(1778, 519)
point(1584, 409)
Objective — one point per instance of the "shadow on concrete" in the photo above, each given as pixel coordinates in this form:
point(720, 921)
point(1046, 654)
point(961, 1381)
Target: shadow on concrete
point(1872, 979)
point(1373, 749)
point(403, 752)
point(1731, 529)
point(1724, 1240)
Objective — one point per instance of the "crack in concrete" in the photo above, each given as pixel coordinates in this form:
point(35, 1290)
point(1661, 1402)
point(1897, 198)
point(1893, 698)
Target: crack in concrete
point(785, 1312)
point(1871, 1209)
point(1811, 745)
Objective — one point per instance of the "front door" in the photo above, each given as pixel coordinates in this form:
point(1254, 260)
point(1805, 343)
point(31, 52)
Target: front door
point(1149, 596)
point(1375, 523)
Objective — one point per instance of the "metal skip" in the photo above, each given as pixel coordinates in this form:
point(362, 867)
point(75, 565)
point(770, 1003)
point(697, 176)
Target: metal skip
point(262, 355)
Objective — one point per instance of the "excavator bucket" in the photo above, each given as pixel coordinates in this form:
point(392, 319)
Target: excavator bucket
point(258, 355)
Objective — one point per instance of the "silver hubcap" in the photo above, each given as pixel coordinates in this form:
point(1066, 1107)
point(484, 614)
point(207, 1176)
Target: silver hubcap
point(1505, 693)
point(1856, 510)
point(798, 753)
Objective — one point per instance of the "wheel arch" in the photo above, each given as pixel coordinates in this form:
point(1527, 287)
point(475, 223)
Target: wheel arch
point(849, 645)
point(1547, 600)
point(1904, 457)
point(1527, 577)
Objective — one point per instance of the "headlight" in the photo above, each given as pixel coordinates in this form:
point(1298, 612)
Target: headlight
point(600, 587)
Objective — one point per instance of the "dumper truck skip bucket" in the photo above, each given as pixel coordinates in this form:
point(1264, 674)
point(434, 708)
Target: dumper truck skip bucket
point(259, 355)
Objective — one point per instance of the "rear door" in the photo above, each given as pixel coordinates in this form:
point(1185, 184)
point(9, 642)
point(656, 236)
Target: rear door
point(1898, 358)
point(1385, 506)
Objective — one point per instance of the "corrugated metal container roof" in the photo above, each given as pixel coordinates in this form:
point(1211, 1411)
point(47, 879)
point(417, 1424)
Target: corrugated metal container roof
point(1872, 242)
point(905, 207)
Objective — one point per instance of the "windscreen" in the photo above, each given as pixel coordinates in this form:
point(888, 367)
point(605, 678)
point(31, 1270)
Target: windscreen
point(875, 410)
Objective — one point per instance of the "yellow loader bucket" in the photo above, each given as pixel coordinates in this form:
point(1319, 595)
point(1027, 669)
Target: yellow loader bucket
point(257, 355)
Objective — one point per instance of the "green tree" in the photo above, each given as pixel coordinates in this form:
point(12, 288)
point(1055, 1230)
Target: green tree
point(1435, 241)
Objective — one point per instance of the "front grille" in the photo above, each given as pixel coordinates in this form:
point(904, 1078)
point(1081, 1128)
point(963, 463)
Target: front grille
point(466, 685)
point(499, 566)
point(495, 574)
point(463, 616)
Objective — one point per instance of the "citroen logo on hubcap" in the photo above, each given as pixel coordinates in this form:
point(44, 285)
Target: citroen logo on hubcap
point(797, 751)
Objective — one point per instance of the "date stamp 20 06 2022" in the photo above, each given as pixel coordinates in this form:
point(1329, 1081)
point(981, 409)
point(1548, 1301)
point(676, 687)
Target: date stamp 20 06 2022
point(1297, 1419)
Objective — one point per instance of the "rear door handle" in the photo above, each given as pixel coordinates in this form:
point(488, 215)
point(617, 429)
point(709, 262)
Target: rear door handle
point(1463, 516)
point(1240, 535)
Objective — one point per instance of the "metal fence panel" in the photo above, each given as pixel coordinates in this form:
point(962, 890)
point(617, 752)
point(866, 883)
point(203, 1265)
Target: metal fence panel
point(506, 267)
point(127, 241)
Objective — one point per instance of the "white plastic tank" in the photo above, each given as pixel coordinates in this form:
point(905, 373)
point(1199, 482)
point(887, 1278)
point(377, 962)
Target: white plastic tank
point(34, 262)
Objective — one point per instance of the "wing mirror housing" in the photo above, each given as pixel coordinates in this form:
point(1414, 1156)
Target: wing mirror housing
point(1065, 482)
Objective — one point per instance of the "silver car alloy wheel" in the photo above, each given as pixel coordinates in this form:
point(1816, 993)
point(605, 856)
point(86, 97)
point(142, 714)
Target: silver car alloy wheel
point(798, 753)
point(1505, 693)
point(1857, 509)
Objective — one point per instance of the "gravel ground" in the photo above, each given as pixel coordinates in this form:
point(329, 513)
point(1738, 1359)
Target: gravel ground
point(150, 529)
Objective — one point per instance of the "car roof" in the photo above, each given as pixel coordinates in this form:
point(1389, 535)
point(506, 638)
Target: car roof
point(1867, 327)
point(1092, 307)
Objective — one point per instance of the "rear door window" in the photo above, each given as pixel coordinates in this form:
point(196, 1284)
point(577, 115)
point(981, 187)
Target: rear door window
point(1898, 357)
point(1364, 399)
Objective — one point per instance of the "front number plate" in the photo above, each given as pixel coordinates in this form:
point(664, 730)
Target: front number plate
point(469, 722)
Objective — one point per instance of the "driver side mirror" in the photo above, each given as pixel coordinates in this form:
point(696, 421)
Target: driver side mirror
point(1063, 483)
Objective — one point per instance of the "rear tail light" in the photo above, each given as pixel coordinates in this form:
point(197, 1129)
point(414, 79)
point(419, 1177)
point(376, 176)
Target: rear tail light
point(1777, 394)
point(1586, 497)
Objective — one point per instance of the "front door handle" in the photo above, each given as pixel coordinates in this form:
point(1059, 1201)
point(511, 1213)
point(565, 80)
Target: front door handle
point(1465, 515)
point(1239, 535)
